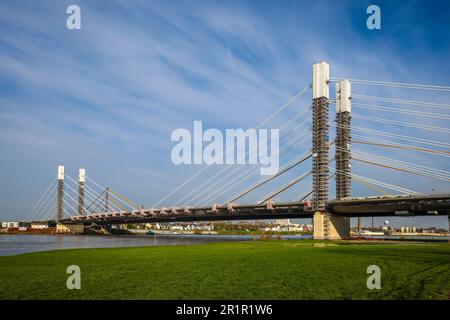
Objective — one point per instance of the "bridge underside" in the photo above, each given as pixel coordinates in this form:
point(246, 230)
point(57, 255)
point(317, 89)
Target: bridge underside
point(392, 206)
point(243, 212)
point(360, 207)
point(191, 218)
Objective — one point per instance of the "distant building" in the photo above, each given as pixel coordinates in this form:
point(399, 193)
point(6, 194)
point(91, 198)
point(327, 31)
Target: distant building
point(10, 224)
point(282, 222)
point(39, 225)
point(190, 227)
point(287, 228)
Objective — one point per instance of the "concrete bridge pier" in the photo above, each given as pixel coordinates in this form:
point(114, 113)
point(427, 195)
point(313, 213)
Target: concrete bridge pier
point(69, 228)
point(107, 228)
point(330, 227)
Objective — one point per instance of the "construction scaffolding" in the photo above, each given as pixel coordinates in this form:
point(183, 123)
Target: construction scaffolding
point(343, 139)
point(107, 199)
point(81, 182)
point(60, 194)
point(343, 142)
point(320, 136)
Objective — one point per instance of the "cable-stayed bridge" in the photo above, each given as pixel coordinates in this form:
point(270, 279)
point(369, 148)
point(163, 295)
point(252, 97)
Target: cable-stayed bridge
point(234, 193)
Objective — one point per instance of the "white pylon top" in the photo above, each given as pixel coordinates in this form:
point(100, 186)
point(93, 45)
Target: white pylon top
point(321, 78)
point(60, 172)
point(343, 96)
point(81, 175)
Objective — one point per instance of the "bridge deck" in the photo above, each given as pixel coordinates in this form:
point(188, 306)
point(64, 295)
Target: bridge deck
point(214, 213)
point(423, 205)
point(353, 207)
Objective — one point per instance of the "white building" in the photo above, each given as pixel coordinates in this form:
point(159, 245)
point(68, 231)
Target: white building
point(289, 227)
point(39, 225)
point(10, 224)
point(282, 222)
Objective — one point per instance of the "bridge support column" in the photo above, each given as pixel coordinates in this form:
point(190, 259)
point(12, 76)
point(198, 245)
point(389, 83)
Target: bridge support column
point(81, 182)
point(340, 226)
point(326, 225)
point(107, 199)
point(343, 139)
point(320, 89)
point(60, 194)
point(318, 225)
point(320, 130)
point(330, 227)
point(69, 228)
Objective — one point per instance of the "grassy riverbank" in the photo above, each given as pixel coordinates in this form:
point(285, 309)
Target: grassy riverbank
point(234, 270)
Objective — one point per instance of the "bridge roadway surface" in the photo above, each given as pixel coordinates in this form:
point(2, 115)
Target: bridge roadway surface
point(412, 205)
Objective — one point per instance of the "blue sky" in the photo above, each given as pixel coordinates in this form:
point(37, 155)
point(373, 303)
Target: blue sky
point(108, 96)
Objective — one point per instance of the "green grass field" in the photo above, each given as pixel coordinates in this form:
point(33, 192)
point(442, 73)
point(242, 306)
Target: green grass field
point(233, 270)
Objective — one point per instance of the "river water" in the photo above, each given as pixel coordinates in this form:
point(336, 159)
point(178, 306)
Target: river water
point(16, 244)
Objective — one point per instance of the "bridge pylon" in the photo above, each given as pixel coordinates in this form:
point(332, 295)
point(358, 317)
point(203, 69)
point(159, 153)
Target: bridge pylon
point(326, 225)
point(320, 135)
point(81, 182)
point(343, 139)
point(60, 194)
point(107, 199)
point(343, 147)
